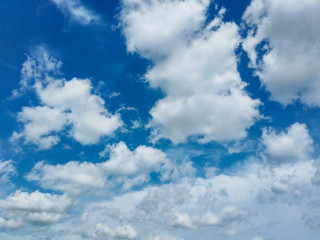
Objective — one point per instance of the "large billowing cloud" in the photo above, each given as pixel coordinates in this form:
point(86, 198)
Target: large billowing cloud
point(288, 33)
point(63, 104)
point(195, 65)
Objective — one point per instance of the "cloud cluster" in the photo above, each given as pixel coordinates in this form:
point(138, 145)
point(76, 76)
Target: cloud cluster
point(39, 208)
point(64, 104)
point(245, 204)
point(124, 168)
point(287, 33)
point(195, 65)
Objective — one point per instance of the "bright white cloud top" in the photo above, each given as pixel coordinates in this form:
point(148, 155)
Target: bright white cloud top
point(196, 67)
point(63, 103)
point(161, 120)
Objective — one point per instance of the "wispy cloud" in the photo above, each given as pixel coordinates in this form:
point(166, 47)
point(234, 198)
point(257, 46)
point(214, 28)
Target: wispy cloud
point(77, 11)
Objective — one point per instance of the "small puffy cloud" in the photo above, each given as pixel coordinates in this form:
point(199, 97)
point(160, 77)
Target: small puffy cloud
point(226, 216)
point(64, 104)
point(288, 33)
point(83, 110)
point(182, 220)
point(195, 66)
point(77, 11)
point(10, 224)
point(124, 232)
point(34, 208)
point(40, 125)
point(288, 146)
point(138, 164)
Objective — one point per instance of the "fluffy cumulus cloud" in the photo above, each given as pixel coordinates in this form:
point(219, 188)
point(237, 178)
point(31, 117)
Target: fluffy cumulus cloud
point(64, 104)
point(124, 168)
point(291, 145)
point(288, 33)
point(195, 65)
point(72, 177)
point(21, 208)
point(77, 11)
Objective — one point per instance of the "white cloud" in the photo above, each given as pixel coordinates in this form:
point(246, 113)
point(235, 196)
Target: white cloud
point(196, 67)
point(290, 68)
point(195, 208)
point(72, 177)
point(164, 24)
point(64, 104)
point(7, 169)
point(35, 208)
point(83, 110)
point(124, 168)
point(226, 216)
point(138, 164)
point(77, 11)
point(39, 123)
point(288, 146)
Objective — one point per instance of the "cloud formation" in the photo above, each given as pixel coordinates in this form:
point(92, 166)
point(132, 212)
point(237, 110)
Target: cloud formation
point(288, 33)
point(195, 65)
point(291, 145)
point(64, 104)
point(123, 168)
point(32, 208)
point(245, 204)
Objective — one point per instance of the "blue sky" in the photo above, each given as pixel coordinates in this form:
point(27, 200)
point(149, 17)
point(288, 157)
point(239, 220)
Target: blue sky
point(159, 119)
